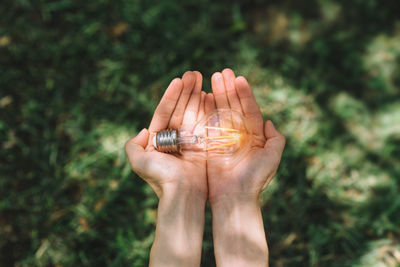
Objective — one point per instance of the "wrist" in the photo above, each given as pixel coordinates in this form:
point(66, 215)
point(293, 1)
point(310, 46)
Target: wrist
point(238, 231)
point(238, 199)
point(235, 210)
point(181, 192)
point(180, 218)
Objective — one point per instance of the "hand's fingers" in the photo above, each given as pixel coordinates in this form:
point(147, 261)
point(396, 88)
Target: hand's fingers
point(134, 148)
point(139, 159)
point(166, 107)
point(218, 88)
point(249, 105)
point(273, 150)
point(229, 81)
point(209, 103)
point(188, 80)
point(275, 143)
point(201, 113)
point(192, 108)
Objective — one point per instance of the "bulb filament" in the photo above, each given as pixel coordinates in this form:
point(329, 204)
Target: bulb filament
point(232, 138)
point(220, 128)
point(221, 137)
point(222, 145)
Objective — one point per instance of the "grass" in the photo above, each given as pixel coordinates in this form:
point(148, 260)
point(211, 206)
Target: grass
point(78, 78)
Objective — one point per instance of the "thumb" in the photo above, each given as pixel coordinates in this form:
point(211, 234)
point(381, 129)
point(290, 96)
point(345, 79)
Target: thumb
point(275, 141)
point(134, 148)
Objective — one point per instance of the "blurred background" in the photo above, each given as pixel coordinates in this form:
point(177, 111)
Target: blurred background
point(79, 78)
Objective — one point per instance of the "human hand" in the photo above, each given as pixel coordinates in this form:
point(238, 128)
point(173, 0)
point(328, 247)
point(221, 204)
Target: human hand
point(238, 230)
point(249, 177)
point(179, 182)
point(182, 104)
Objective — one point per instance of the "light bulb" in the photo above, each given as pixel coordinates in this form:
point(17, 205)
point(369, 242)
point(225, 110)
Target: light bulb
point(222, 135)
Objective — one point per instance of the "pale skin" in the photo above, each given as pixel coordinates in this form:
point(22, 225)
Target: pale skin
point(184, 184)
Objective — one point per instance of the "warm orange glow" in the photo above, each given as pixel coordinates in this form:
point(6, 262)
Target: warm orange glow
point(220, 128)
point(222, 140)
point(222, 145)
point(221, 137)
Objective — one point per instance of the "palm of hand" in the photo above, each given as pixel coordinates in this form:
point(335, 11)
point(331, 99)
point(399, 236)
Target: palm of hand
point(182, 104)
point(243, 177)
point(166, 169)
point(256, 169)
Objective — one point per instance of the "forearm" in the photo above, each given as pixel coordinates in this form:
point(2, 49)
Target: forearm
point(179, 230)
point(238, 231)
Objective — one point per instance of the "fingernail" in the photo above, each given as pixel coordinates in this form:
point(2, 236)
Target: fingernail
point(187, 73)
point(227, 69)
point(218, 75)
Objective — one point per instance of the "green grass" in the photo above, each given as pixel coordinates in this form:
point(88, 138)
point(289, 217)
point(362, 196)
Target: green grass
point(78, 78)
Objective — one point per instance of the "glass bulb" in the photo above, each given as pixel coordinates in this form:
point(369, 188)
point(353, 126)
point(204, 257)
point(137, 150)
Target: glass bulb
point(222, 135)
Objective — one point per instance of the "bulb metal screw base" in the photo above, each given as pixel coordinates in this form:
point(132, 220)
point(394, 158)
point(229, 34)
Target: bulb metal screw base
point(167, 141)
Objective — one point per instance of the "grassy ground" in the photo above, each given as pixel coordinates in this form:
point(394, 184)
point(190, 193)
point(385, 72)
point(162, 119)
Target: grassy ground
point(78, 78)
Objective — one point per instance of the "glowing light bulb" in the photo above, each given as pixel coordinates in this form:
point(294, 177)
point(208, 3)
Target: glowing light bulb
point(222, 135)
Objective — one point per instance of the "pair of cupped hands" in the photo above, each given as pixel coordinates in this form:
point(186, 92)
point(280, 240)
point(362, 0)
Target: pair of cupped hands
point(184, 103)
